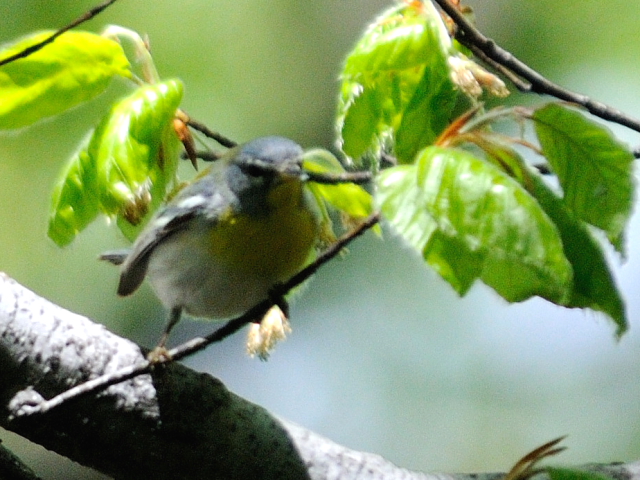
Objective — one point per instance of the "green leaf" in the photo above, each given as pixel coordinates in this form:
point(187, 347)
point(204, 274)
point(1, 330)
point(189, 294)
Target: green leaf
point(348, 198)
point(74, 202)
point(361, 123)
point(427, 114)
point(453, 260)
point(470, 220)
point(594, 169)
point(162, 182)
point(132, 169)
point(126, 167)
point(73, 69)
point(593, 284)
point(557, 473)
point(504, 157)
point(402, 38)
point(399, 67)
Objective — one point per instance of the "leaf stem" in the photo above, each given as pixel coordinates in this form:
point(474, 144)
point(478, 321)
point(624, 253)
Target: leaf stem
point(141, 48)
point(207, 132)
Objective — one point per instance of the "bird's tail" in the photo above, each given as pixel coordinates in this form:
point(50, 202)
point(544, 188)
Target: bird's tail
point(115, 257)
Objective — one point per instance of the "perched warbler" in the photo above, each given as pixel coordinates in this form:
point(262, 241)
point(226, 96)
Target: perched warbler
point(219, 246)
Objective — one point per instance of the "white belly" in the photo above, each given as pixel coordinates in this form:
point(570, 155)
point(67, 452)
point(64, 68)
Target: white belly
point(202, 287)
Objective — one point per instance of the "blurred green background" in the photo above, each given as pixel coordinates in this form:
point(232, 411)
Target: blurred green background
point(384, 357)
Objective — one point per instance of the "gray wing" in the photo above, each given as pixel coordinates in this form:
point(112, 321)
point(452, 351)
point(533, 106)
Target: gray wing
point(202, 198)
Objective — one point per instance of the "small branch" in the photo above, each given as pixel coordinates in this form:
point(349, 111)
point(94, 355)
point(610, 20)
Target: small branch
point(40, 407)
point(470, 36)
point(359, 178)
point(218, 137)
point(81, 19)
point(195, 345)
point(205, 155)
point(338, 178)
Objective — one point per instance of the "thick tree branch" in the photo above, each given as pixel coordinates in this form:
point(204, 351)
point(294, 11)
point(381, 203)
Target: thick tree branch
point(12, 468)
point(173, 423)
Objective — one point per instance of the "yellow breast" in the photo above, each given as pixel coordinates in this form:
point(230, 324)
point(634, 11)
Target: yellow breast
point(274, 245)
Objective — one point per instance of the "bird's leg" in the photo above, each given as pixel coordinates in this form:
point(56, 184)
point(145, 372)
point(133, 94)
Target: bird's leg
point(160, 353)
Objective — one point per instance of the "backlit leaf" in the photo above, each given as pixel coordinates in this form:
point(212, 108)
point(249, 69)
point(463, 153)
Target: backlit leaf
point(401, 38)
point(420, 127)
point(470, 220)
point(396, 82)
point(593, 284)
point(125, 168)
point(74, 203)
point(347, 198)
point(594, 169)
point(557, 473)
point(73, 69)
point(126, 146)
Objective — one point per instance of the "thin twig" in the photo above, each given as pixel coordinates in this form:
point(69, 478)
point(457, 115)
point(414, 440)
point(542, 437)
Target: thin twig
point(206, 155)
point(84, 389)
point(218, 137)
point(338, 178)
point(470, 36)
point(315, 177)
point(195, 345)
point(34, 48)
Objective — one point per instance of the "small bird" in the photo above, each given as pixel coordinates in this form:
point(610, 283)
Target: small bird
point(223, 242)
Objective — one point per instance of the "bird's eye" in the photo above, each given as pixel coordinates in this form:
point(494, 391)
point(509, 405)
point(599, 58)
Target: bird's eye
point(254, 170)
point(257, 168)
